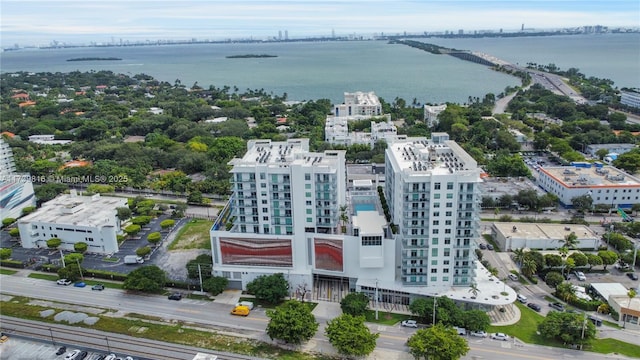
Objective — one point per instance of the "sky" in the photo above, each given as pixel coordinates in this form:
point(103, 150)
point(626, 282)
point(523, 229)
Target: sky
point(33, 22)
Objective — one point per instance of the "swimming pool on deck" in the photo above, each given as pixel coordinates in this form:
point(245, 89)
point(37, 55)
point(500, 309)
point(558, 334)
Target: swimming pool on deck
point(364, 207)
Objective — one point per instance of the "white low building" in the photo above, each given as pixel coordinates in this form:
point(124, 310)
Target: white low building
point(72, 219)
point(431, 113)
point(510, 236)
point(359, 104)
point(611, 148)
point(605, 184)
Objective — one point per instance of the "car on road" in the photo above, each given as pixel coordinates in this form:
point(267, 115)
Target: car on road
point(64, 282)
point(482, 246)
point(557, 306)
point(480, 333)
point(534, 307)
point(111, 357)
point(99, 287)
point(61, 350)
point(580, 275)
point(522, 298)
point(489, 247)
point(513, 277)
point(621, 266)
point(500, 336)
point(175, 296)
point(409, 323)
point(595, 320)
point(632, 276)
point(80, 284)
point(81, 356)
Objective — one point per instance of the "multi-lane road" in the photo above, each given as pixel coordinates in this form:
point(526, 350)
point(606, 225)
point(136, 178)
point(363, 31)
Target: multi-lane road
point(391, 344)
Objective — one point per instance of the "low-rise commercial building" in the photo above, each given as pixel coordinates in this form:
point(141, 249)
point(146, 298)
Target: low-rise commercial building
point(73, 218)
point(605, 184)
point(359, 103)
point(611, 149)
point(630, 97)
point(510, 236)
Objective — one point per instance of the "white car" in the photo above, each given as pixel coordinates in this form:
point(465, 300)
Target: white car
point(72, 355)
point(64, 282)
point(513, 277)
point(460, 331)
point(409, 323)
point(480, 333)
point(500, 336)
point(580, 275)
point(522, 298)
point(248, 304)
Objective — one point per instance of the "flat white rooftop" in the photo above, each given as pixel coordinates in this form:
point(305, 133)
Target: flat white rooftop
point(544, 231)
point(422, 156)
point(276, 154)
point(369, 222)
point(69, 209)
point(591, 177)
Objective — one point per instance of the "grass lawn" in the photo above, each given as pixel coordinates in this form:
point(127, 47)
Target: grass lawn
point(526, 330)
point(7, 271)
point(193, 235)
point(384, 317)
point(49, 277)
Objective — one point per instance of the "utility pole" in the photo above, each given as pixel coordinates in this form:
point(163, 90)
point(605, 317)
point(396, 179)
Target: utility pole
point(584, 323)
point(635, 253)
point(62, 258)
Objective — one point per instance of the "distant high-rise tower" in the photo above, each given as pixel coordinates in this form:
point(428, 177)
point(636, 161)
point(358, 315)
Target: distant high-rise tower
point(280, 35)
point(522, 27)
point(286, 34)
point(333, 33)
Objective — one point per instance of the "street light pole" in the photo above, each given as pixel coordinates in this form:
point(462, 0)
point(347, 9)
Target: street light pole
point(584, 324)
point(108, 347)
point(376, 299)
point(435, 305)
point(52, 341)
point(79, 268)
point(62, 258)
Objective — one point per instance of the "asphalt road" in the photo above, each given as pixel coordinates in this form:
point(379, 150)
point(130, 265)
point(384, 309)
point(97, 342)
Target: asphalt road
point(216, 315)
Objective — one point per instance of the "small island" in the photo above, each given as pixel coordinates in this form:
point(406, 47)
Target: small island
point(95, 59)
point(248, 56)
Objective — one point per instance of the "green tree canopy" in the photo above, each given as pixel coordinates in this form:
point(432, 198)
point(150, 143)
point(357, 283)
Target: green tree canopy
point(593, 260)
point(80, 247)
point(53, 243)
point(123, 213)
point(167, 223)
point(608, 257)
point(154, 237)
point(269, 288)
point(5, 253)
point(132, 229)
point(567, 328)
point(475, 320)
point(205, 261)
point(355, 304)
point(215, 285)
point(437, 343)
point(14, 233)
point(350, 336)
point(292, 322)
point(143, 251)
point(553, 279)
point(146, 278)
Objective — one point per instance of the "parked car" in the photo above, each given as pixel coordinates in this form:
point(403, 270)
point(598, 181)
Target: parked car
point(240, 311)
point(460, 331)
point(595, 320)
point(513, 277)
point(500, 336)
point(580, 275)
point(81, 355)
point(80, 284)
point(621, 266)
point(61, 350)
point(72, 354)
point(489, 247)
point(534, 307)
point(248, 304)
point(175, 296)
point(482, 246)
point(64, 282)
point(409, 323)
point(480, 333)
point(522, 298)
point(632, 276)
point(111, 357)
point(99, 287)
point(557, 306)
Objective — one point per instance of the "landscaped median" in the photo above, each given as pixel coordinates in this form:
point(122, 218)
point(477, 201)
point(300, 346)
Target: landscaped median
point(526, 330)
point(151, 328)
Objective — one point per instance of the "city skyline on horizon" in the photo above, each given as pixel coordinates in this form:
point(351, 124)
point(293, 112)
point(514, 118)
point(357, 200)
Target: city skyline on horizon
point(115, 21)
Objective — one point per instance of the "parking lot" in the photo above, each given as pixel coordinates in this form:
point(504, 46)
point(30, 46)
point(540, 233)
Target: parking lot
point(17, 348)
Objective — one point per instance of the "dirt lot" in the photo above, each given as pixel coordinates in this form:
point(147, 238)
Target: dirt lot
point(188, 247)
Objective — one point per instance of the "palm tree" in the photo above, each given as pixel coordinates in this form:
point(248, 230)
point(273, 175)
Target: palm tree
point(518, 256)
point(631, 294)
point(565, 291)
point(473, 289)
point(529, 267)
point(564, 251)
point(570, 241)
